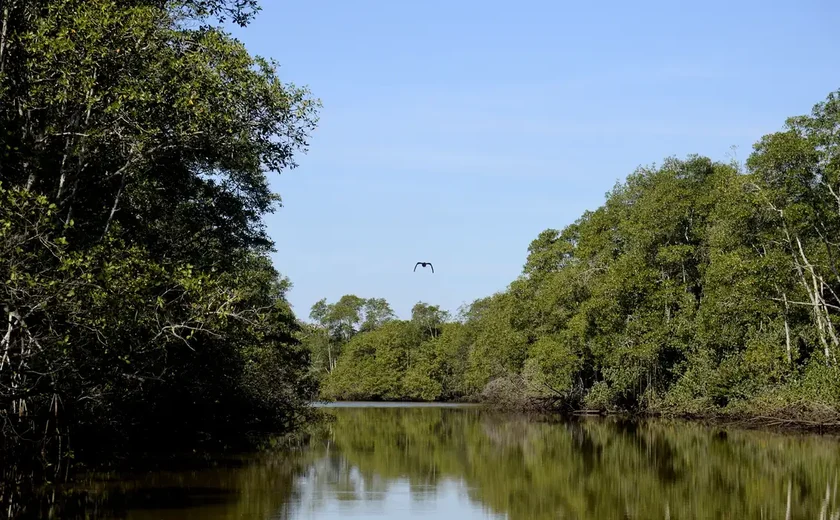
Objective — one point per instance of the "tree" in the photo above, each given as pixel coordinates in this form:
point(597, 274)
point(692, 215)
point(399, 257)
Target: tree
point(346, 316)
point(797, 178)
point(429, 318)
point(377, 312)
point(127, 117)
point(373, 364)
point(344, 319)
point(139, 303)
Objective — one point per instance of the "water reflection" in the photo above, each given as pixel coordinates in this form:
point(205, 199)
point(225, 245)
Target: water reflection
point(471, 463)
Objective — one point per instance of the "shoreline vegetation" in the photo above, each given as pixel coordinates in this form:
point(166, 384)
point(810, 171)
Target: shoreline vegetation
point(141, 312)
point(699, 289)
point(793, 422)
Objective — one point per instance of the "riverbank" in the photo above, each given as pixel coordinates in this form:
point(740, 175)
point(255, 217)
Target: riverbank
point(813, 419)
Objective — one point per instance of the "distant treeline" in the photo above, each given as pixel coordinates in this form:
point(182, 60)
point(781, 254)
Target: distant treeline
point(140, 309)
point(699, 287)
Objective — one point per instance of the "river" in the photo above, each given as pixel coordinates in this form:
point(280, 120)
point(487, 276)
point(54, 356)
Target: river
point(462, 462)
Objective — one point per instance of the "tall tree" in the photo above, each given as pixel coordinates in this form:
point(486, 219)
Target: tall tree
point(429, 318)
point(377, 312)
point(139, 302)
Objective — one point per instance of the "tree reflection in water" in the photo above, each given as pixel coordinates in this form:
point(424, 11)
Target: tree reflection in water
point(473, 463)
point(527, 468)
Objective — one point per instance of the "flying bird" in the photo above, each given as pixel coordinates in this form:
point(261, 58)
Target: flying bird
point(424, 264)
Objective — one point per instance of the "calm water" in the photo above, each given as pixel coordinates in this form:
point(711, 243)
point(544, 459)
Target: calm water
point(401, 462)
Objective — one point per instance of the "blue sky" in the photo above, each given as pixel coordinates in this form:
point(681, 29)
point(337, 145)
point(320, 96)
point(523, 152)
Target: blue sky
point(455, 132)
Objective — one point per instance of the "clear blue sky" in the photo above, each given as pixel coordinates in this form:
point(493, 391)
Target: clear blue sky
point(456, 131)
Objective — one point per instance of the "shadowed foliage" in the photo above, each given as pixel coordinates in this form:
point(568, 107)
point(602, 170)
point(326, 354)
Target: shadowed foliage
point(140, 310)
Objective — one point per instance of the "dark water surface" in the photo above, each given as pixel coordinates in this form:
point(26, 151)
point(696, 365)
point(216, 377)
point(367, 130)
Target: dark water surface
point(401, 462)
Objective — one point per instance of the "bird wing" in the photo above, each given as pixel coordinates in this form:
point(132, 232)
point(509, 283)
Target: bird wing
point(433, 267)
point(415, 266)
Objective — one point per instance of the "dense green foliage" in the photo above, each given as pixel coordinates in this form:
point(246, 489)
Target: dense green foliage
point(698, 287)
point(139, 306)
point(360, 350)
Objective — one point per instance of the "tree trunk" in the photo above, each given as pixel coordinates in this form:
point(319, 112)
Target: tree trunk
point(63, 170)
point(820, 308)
point(329, 358)
point(787, 328)
point(114, 207)
point(6, 342)
point(70, 205)
point(30, 181)
point(4, 28)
